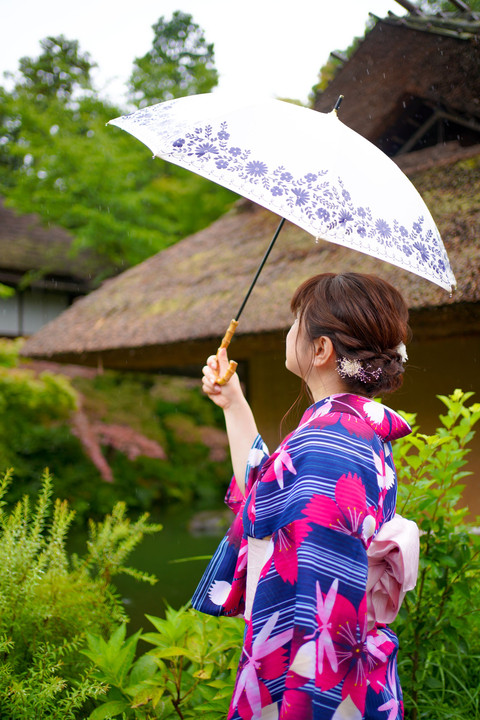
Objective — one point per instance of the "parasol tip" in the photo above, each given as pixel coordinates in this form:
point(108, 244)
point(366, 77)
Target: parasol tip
point(338, 103)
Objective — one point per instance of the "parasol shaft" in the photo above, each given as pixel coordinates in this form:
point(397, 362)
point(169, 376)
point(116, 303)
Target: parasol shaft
point(260, 268)
point(234, 323)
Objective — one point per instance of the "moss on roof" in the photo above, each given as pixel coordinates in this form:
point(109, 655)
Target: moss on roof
point(29, 246)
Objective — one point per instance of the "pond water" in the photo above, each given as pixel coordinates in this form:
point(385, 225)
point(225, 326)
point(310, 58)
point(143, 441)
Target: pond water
point(159, 554)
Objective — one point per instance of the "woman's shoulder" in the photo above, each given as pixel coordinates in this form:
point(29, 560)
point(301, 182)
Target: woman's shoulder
point(353, 416)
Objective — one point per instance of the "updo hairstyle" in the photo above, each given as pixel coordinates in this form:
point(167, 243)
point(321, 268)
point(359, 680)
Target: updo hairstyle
point(366, 319)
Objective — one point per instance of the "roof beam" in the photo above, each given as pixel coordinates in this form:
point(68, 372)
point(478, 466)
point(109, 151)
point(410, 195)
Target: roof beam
point(338, 56)
point(413, 139)
point(460, 5)
point(471, 124)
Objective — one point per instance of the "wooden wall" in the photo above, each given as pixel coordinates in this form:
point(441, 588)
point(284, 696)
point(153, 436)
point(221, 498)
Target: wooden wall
point(435, 367)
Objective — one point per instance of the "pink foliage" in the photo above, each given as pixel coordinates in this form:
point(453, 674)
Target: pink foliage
point(123, 438)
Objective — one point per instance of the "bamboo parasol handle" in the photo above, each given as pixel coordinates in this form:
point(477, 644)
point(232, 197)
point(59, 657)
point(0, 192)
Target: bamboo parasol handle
point(224, 344)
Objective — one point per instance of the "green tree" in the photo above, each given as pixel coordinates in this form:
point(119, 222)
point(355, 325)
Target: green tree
point(58, 71)
point(180, 63)
point(58, 158)
point(433, 6)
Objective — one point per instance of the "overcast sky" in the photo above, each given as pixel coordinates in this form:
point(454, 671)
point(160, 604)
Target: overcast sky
point(268, 47)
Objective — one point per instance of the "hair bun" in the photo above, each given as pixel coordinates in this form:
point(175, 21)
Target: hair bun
point(362, 315)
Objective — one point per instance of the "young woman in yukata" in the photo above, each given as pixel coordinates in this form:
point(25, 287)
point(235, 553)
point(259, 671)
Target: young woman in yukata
point(295, 560)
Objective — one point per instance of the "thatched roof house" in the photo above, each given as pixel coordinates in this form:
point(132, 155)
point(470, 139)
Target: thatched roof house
point(38, 262)
point(413, 82)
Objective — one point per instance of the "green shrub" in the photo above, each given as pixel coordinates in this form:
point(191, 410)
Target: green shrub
point(439, 623)
point(174, 412)
point(9, 349)
point(27, 402)
point(189, 673)
point(49, 600)
point(36, 432)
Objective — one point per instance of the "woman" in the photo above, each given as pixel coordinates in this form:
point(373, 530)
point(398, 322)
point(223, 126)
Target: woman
point(295, 560)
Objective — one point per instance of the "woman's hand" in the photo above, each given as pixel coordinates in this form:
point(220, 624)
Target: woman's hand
point(239, 420)
point(221, 395)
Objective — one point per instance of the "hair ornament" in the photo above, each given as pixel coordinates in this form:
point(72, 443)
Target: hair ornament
point(402, 351)
point(353, 369)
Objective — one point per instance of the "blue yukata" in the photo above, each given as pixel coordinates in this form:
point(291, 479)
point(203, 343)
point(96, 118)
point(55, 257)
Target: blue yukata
point(318, 501)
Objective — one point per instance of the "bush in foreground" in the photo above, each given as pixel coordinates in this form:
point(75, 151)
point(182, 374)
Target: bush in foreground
point(50, 599)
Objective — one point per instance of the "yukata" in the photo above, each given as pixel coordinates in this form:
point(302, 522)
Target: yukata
point(310, 652)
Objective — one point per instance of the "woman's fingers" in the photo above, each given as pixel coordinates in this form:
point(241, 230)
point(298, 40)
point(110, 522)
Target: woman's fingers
point(216, 366)
point(210, 376)
point(212, 362)
point(222, 361)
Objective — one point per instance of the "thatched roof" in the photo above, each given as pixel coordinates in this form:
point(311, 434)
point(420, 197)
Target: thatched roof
point(43, 251)
point(190, 291)
point(404, 68)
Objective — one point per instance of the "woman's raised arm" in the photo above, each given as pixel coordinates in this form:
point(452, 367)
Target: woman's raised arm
point(239, 420)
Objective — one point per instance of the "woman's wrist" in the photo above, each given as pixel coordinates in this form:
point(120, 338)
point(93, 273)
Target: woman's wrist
point(237, 405)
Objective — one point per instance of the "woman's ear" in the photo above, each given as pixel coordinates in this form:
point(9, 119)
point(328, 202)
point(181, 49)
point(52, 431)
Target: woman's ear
point(324, 351)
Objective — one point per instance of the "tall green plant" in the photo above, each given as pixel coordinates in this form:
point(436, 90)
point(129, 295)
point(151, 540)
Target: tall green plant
point(439, 623)
point(189, 673)
point(49, 600)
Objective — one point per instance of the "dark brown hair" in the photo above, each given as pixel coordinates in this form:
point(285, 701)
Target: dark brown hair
point(366, 319)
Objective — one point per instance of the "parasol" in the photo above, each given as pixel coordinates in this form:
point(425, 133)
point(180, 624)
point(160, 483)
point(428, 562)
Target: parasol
point(306, 166)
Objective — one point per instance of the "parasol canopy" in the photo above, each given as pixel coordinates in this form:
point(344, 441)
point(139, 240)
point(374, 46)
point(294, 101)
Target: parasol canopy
point(307, 167)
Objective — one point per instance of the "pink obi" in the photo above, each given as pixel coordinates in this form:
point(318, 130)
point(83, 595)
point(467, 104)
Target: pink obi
point(392, 568)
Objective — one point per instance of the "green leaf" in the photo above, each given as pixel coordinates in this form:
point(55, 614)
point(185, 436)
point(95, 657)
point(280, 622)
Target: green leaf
point(172, 652)
point(146, 695)
point(143, 669)
point(109, 710)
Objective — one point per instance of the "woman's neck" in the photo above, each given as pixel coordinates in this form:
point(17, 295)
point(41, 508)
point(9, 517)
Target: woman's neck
point(324, 384)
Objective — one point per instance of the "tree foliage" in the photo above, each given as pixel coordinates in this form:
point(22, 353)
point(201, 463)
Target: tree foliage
point(58, 71)
point(180, 63)
point(58, 158)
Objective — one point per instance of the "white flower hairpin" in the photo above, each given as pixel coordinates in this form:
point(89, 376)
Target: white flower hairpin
point(402, 351)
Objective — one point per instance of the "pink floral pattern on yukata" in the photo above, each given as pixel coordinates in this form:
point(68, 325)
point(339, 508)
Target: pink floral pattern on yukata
point(321, 496)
